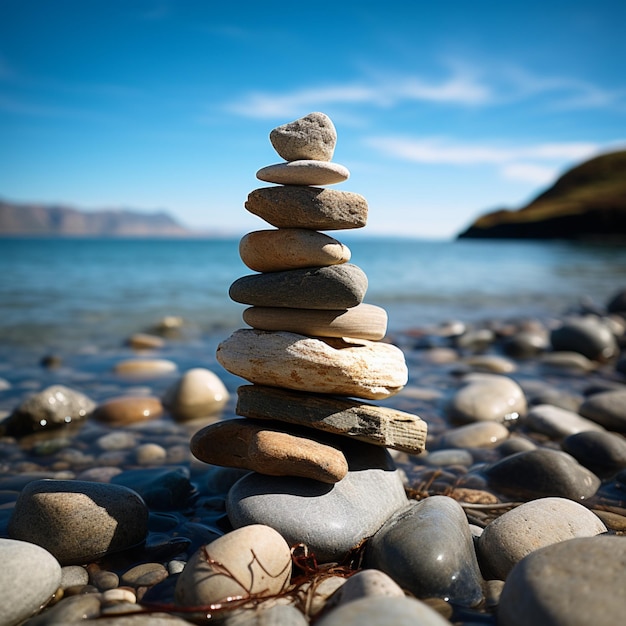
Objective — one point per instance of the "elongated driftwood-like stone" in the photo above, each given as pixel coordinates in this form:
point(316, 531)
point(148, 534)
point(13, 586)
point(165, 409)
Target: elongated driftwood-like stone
point(380, 426)
point(331, 287)
point(246, 444)
point(364, 321)
point(289, 249)
point(359, 368)
point(295, 206)
point(305, 172)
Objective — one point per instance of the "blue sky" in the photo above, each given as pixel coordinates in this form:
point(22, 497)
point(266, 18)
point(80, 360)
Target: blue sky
point(443, 109)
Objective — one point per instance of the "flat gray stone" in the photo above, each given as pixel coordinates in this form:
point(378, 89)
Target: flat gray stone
point(70, 610)
point(573, 583)
point(305, 172)
point(380, 426)
point(366, 583)
point(329, 287)
point(586, 335)
point(310, 137)
point(607, 408)
point(374, 611)
point(428, 549)
point(542, 473)
point(557, 422)
point(317, 208)
point(29, 576)
point(530, 526)
point(602, 451)
point(79, 522)
point(329, 519)
point(277, 615)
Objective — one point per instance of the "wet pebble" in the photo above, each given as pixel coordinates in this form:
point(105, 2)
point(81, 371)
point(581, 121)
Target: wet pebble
point(530, 526)
point(566, 362)
point(117, 440)
point(365, 584)
point(599, 451)
point(428, 549)
point(443, 458)
point(607, 409)
point(73, 575)
point(588, 336)
point(150, 454)
point(476, 435)
point(70, 610)
point(556, 422)
point(198, 393)
point(162, 489)
point(542, 473)
point(128, 410)
point(275, 615)
point(144, 575)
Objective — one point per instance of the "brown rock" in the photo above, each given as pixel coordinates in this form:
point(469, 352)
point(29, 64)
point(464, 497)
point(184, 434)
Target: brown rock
point(364, 321)
point(198, 393)
point(290, 248)
point(144, 367)
point(246, 444)
point(295, 206)
point(359, 368)
point(128, 410)
point(143, 341)
point(380, 426)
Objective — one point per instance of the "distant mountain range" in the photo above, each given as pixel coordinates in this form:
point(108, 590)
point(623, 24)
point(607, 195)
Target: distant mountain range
point(57, 220)
point(587, 202)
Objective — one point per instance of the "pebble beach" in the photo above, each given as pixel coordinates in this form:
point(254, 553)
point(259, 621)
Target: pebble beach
point(181, 477)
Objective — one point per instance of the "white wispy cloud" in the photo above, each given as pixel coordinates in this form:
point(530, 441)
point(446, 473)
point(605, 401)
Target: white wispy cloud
point(536, 163)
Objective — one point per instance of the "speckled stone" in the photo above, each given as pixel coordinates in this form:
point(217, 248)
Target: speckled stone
point(542, 473)
point(359, 368)
point(316, 208)
point(256, 556)
point(199, 392)
point(77, 521)
point(330, 519)
point(310, 137)
point(54, 407)
point(428, 549)
point(572, 583)
point(330, 287)
point(128, 410)
point(304, 172)
point(29, 576)
point(530, 526)
point(607, 408)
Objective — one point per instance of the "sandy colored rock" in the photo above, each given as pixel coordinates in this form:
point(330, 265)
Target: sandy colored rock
point(295, 206)
point(253, 559)
point(311, 137)
point(144, 367)
point(144, 341)
point(290, 248)
point(128, 410)
point(364, 321)
point(331, 287)
point(247, 444)
point(198, 393)
point(381, 426)
point(359, 368)
point(304, 173)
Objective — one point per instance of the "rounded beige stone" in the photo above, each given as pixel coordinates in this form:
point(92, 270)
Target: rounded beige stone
point(364, 321)
point(304, 173)
point(128, 410)
point(290, 248)
point(360, 368)
point(198, 393)
point(251, 560)
point(144, 341)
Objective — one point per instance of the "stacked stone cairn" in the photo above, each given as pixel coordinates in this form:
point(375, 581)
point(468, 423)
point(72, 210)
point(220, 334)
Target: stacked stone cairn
point(314, 349)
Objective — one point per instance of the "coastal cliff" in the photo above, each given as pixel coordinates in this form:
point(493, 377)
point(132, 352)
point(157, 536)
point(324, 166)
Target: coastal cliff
point(62, 221)
point(587, 202)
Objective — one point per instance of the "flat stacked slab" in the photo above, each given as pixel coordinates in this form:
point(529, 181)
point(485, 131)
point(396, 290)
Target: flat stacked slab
point(314, 347)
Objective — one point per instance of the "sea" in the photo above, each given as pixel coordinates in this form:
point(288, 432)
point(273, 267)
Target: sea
point(64, 294)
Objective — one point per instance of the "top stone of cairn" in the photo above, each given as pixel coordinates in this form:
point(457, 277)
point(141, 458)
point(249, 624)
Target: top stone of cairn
point(312, 137)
